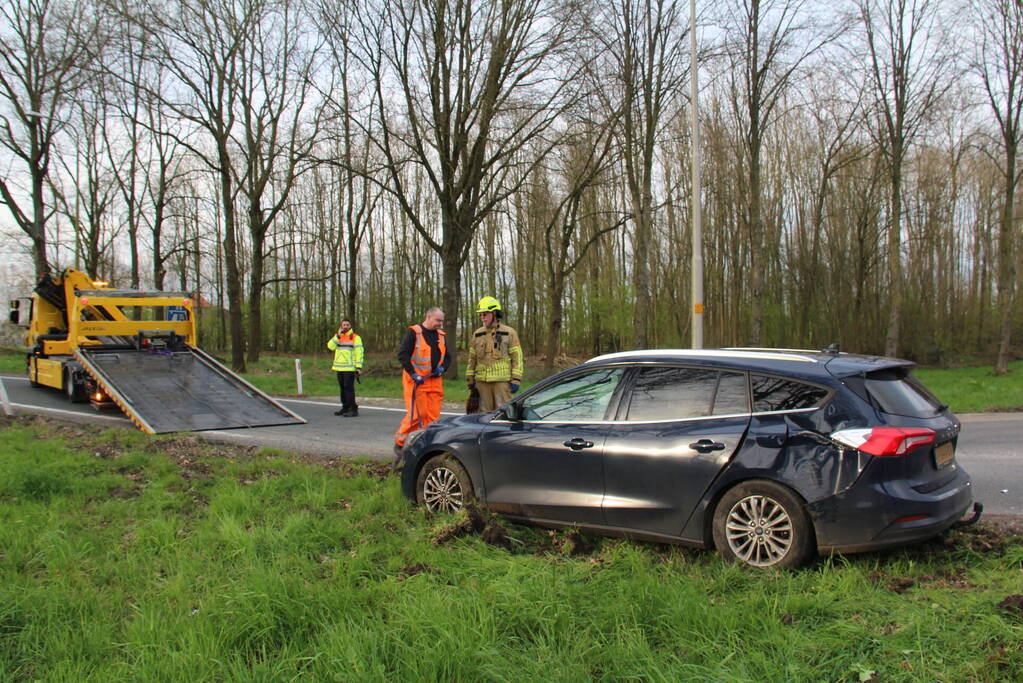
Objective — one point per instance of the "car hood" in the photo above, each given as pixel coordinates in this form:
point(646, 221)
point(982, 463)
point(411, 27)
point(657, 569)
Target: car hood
point(463, 420)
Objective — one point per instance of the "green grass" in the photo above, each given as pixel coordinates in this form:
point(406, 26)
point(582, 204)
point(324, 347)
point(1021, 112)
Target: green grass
point(127, 557)
point(381, 377)
point(12, 360)
point(977, 389)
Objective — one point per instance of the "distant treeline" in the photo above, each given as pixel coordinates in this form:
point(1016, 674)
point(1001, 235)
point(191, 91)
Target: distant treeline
point(297, 162)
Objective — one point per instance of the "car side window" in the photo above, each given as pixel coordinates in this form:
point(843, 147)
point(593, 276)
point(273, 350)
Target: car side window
point(580, 398)
point(774, 393)
point(732, 397)
point(672, 393)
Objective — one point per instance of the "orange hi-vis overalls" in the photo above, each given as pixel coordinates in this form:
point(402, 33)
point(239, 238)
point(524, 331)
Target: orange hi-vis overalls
point(423, 402)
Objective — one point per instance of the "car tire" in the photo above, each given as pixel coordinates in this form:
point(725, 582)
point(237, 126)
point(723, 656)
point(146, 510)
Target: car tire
point(763, 524)
point(443, 485)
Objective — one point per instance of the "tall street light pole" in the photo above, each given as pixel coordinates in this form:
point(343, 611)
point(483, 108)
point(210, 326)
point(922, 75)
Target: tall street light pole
point(695, 200)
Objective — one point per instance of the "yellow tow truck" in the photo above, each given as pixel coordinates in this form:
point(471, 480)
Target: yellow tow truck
point(136, 350)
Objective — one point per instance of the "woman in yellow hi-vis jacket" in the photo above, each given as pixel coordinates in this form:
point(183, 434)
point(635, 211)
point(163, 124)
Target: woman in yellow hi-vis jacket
point(348, 357)
point(495, 357)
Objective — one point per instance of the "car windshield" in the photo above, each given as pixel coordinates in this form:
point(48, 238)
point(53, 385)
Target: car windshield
point(897, 392)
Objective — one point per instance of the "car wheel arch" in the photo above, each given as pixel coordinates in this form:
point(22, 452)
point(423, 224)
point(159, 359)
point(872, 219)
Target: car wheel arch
point(456, 472)
point(430, 455)
point(712, 504)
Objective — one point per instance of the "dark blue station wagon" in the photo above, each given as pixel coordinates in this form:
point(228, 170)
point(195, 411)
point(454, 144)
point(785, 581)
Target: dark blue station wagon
point(769, 455)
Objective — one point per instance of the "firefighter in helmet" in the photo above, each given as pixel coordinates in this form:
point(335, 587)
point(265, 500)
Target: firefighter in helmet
point(495, 357)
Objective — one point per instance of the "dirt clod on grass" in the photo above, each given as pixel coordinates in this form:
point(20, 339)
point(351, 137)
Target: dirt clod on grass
point(472, 520)
point(414, 569)
point(348, 469)
point(122, 493)
point(571, 542)
point(1012, 605)
point(894, 584)
point(943, 578)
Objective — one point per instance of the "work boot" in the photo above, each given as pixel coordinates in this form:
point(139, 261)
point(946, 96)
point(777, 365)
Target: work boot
point(352, 412)
point(340, 412)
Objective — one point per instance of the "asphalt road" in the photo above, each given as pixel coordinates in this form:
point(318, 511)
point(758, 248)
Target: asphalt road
point(989, 445)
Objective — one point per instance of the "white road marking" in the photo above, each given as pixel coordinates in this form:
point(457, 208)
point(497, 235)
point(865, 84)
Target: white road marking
point(4, 399)
point(287, 400)
point(71, 413)
point(361, 406)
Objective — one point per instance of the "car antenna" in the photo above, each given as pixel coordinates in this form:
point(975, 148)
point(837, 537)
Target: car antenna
point(832, 349)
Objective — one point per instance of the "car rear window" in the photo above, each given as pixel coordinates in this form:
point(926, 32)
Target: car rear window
point(898, 392)
point(772, 394)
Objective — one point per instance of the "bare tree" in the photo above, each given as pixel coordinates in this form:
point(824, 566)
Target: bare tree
point(197, 44)
point(241, 74)
point(147, 163)
point(85, 189)
point(911, 68)
point(357, 194)
point(587, 155)
point(999, 63)
point(829, 151)
point(648, 70)
point(44, 50)
point(771, 40)
point(461, 88)
point(276, 66)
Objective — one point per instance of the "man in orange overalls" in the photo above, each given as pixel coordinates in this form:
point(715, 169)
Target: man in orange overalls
point(424, 357)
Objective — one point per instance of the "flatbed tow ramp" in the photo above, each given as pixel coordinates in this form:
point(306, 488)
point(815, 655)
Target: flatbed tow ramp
point(175, 391)
point(137, 350)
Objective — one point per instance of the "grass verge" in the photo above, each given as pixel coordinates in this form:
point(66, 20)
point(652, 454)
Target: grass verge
point(977, 389)
point(128, 557)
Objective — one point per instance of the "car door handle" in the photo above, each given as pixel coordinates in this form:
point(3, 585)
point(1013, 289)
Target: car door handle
point(706, 446)
point(578, 444)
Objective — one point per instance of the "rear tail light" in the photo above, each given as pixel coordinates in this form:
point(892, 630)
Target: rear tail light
point(886, 441)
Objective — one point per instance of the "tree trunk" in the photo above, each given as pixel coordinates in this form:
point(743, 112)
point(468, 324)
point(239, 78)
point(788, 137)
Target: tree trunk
point(1006, 264)
point(891, 342)
point(757, 249)
point(641, 274)
point(255, 337)
point(232, 274)
point(557, 315)
point(38, 235)
point(451, 297)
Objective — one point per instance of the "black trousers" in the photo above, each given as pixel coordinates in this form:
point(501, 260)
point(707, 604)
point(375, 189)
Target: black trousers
point(346, 382)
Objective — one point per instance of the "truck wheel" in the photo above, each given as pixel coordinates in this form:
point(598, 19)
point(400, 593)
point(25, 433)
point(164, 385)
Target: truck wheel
point(74, 390)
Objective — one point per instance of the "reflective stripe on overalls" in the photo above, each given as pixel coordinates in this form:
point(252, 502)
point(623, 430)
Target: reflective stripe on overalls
point(422, 358)
point(423, 400)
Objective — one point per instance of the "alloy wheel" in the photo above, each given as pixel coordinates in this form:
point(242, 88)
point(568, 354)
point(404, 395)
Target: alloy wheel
point(442, 491)
point(759, 530)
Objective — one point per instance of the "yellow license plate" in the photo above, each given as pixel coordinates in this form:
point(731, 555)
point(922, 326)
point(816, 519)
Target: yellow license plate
point(943, 454)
